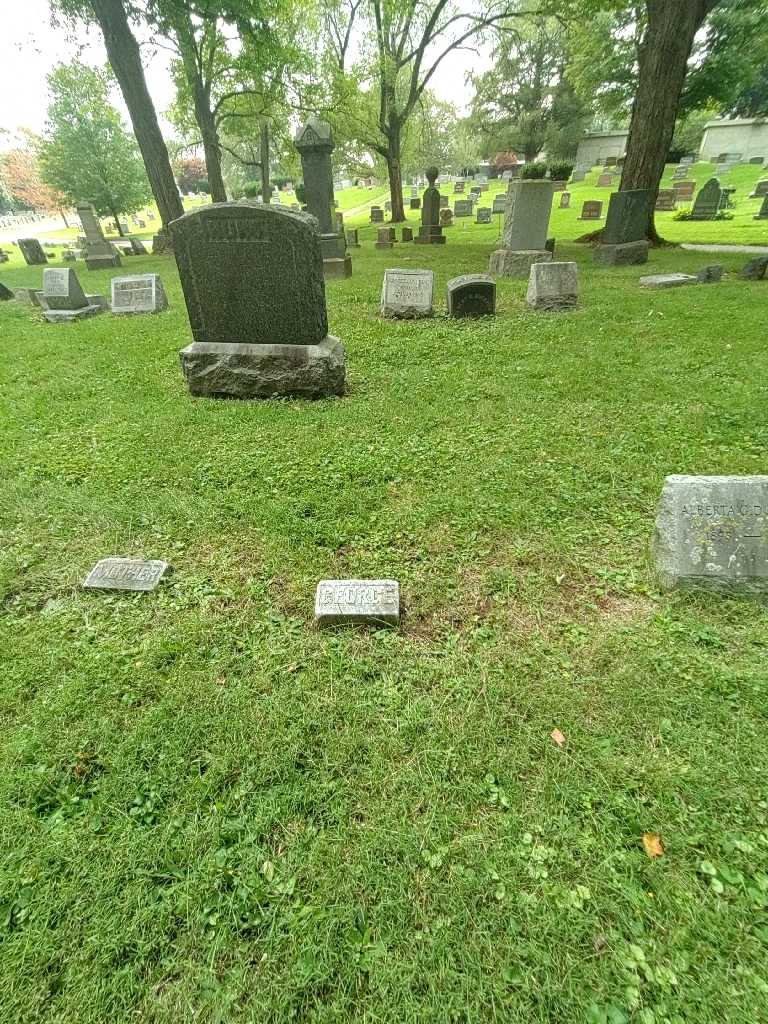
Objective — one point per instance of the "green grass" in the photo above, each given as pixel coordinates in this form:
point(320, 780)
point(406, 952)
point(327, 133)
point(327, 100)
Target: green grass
point(212, 812)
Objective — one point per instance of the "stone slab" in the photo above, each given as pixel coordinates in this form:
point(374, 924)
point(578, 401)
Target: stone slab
point(407, 294)
point(225, 370)
point(372, 602)
point(628, 254)
point(65, 316)
point(125, 574)
point(712, 533)
point(667, 280)
point(511, 263)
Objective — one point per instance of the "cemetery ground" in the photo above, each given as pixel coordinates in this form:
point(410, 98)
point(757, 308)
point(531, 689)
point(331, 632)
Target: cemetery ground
point(542, 798)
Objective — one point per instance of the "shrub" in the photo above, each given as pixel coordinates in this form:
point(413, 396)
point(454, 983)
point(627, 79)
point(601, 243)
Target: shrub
point(251, 189)
point(560, 170)
point(686, 212)
point(533, 170)
point(203, 186)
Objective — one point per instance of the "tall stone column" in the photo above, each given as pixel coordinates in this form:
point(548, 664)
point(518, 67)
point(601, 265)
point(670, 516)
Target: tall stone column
point(315, 145)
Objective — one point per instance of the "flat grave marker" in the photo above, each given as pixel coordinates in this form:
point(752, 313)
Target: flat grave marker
point(370, 602)
point(125, 574)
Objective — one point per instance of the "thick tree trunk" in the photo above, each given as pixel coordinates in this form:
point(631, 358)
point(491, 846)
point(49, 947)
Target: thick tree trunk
point(118, 225)
point(266, 188)
point(395, 178)
point(663, 62)
point(207, 124)
point(125, 60)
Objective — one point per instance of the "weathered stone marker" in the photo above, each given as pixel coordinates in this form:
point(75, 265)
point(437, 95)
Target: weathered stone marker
point(462, 208)
point(125, 574)
point(63, 299)
point(407, 294)
point(684, 190)
point(385, 238)
point(762, 213)
point(712, 533)
point(706, 205)
point(499, 203)
point(99, 253)
point(407, 235)
point(371, 602)
point(139, 293)
point(315, 145)
point(666, 200)
point(553, 286)
point(446, 218)
point(760, 189)
point(5, 293)
point(472, 295)
point(353, 241)
point(377, 215)
point(430, 232)
point(667, 280)
point(523, 240)
point(483, 215)
point(592, 209)
point(565, 200)
point(252, 277)
point(623, 239)
point(32, 251)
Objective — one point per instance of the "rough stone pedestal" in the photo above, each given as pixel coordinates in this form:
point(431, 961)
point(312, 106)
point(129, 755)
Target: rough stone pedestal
point(336, 260)
point(221, 370)
point(622, 255)
point(516, 262)
point(430, 234)
point(65, 316)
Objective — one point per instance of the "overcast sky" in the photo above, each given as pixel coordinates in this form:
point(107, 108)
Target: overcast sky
point(29, 48)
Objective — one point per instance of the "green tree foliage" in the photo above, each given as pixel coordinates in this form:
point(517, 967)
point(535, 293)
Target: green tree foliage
point(525, 102)
point(86, 152)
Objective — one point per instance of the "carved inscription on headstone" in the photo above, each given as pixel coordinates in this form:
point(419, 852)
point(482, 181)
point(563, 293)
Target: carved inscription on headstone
point(125, 574)
point(712, 533)
point(369, 601)
point(139, 293)
point(407, 293)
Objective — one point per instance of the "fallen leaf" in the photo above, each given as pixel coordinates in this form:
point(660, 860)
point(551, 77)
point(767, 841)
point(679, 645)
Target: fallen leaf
point(558, 737)
point(652, 844)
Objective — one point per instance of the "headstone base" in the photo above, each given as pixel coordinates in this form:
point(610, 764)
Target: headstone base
point(220, 370)
point(625, 254)
point(516, 262)
point(383, 245)
point(60, 316)
point(430, 234)
point(337, 267)
point(102, 262)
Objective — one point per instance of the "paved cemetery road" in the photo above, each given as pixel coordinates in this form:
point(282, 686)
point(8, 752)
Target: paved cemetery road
point(757, 250)
point(32, 230)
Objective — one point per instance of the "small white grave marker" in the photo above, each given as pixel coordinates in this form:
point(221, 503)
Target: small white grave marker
point(125, 574)
point(138, 293)
point(376, 602)
point(407, 293)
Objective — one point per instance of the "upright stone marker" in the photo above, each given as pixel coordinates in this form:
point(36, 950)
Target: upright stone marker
point(684, 190)
point(760, 190)
point(623, 239)
point(5, 293)
point(377, 215)
point(604, 180)
point(353, 241)
point(371, 602)
point(252, 277)
point(139, 293)
point(565, 200)
point(526, 224)
point(706, 206)
point(125, 574)
point(315, 145)
point(483, 215)
point(446, 218)
point(762, 213)
point(553, 286)
point(499, 203)
point(385, 238)
point(430, 232)
point(407, 294)
point(462, 208)
point(472, 295)
point(712, 534)
point(32, 251)
point(665, 200)
point(63, 299)
point(99, 253)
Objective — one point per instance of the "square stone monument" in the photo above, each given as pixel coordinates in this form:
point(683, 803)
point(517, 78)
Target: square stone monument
point(712, 534)
point(99, 253)
point(64, 300)
point(623, 239)
point(526, 224)
point(407, 294)
point(138, 293)
point(252, 277)
point(315, 145)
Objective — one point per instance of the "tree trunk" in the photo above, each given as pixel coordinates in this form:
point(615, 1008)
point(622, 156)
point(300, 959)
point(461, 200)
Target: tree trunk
point(118, 225)
point(663, 62)
point(395, 178)
point(63, 216)
point(125, 60)
point(266, 188)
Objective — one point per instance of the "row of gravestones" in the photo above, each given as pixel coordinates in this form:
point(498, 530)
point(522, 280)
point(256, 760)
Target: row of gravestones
point(711, 534)
point(63, 300)
point(98, 252)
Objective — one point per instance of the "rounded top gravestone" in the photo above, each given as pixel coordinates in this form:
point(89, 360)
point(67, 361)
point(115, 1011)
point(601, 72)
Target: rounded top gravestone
point(251, 274)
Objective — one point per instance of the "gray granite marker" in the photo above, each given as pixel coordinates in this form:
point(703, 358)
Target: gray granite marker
point(407, 294)
point(712, 534)
point(138, 293)
point(63, 298)
point(667, 280)
point(125, 574)
point(375, 602)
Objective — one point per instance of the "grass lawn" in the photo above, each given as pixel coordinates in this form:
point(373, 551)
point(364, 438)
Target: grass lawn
point(213, 812)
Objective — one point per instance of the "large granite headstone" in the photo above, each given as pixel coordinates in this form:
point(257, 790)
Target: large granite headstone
point(252, 277)
point(32, 252)
point(623, 239)
point(430, 232)
point(706, 205)
point(99, 253)
point(526, 225)
point(138, 293)
point(315, 145)
point(472, 295)
point(712, 533)
point(63, 299)
point(407, 294)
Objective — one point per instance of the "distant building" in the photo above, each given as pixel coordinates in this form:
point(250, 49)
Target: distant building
point(596, 146)
point(748, 136)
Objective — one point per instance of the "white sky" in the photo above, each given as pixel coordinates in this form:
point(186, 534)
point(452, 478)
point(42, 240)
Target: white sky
point(30, 48)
